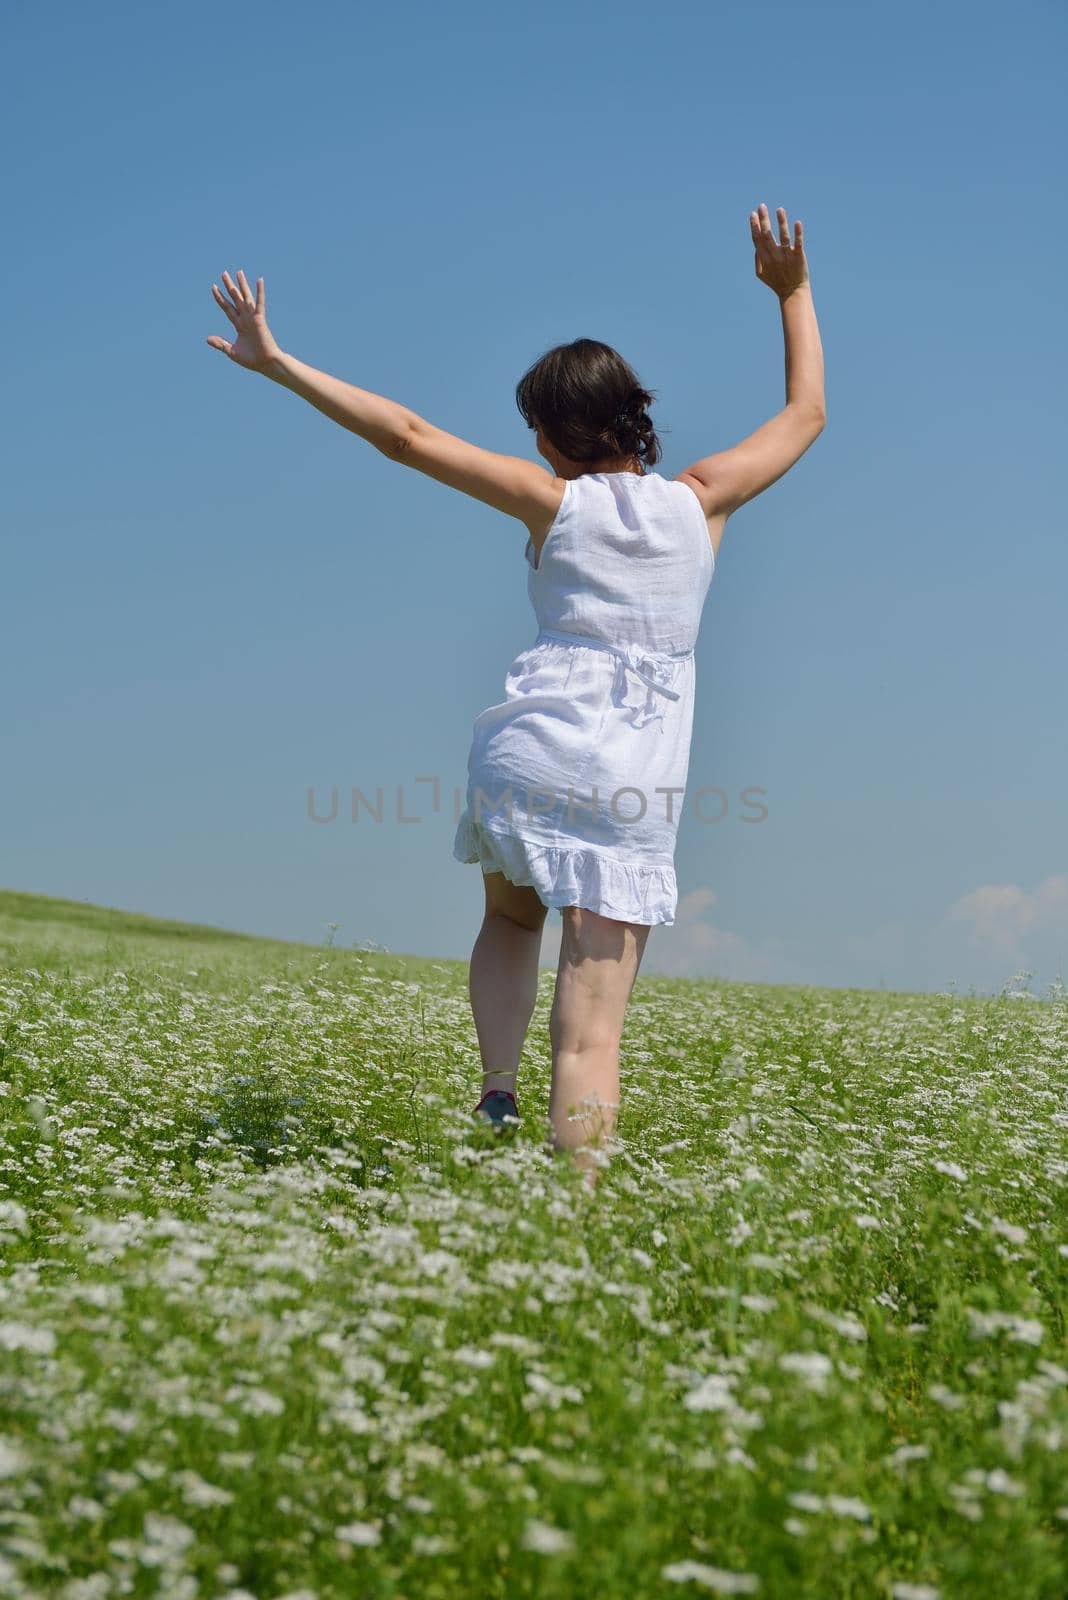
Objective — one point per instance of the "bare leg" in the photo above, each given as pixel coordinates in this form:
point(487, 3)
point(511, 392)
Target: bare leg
point(503, 976)
point(599, 961)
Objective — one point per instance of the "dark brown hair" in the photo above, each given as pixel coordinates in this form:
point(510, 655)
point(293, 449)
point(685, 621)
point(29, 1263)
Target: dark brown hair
point(588, 402)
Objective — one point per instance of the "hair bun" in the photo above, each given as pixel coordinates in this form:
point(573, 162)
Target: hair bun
point(633, 406)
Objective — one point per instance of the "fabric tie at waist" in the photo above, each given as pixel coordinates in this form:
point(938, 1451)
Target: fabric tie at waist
point(655, 668)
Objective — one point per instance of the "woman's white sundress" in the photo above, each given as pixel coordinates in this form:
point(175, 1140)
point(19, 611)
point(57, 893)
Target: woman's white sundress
point(576, 780)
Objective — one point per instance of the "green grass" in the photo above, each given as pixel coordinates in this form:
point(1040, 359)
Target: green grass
point(278, 1319)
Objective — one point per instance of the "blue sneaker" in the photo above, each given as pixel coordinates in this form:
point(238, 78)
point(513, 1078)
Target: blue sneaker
point(498, 1106)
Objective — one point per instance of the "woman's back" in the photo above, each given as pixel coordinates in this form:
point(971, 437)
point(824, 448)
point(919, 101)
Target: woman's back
point(576, 777)
point(628, 560)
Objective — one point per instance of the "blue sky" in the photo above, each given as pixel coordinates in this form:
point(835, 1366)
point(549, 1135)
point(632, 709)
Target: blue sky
point(215, 598)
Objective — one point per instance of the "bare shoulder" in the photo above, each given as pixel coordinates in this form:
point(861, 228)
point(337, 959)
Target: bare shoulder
point(715, 517)
point(730, 478)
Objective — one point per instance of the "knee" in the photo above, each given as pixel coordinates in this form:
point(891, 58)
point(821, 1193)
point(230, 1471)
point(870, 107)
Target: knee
point(530, 919)
point(582, 1035)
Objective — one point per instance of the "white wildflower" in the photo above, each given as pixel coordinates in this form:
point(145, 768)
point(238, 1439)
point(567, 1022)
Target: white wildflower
point(80, 1506)
point(810, 1365)
point(124, 1421)
point(713, 1393)
point(951, 1170)
point(914, 1591)
point(803, 1501)
point(945, 1397)
point(435, 1262)
point(759, 1302)
point(430, 1544)
point(999, 1482)
point(363, 1533)
point(12, 1459)
point(23, 1336)
point(197, 1492)
point(165, 1538)
point(12, 1216)
point(96, 1587)
point(846, 1324)
point(260, 1402)
point(713, 1578)
point(1008, 1230)
point(843, 1506)
point(964, 1496)
point(546, 1540)
point(469, 1356)
point(349, 1413)
point(1022, 1330)
point(905, 1453)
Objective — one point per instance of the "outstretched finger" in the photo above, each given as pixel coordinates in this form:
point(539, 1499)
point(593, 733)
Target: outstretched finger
point(219, 344)
point(799, 239)
point(234, 292)
point(261, 297)
point(221, 298)
point(247, 295)
point(765, 224)
point(784, 228)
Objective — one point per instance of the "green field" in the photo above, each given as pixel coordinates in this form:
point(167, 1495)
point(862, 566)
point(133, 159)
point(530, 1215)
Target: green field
point(278, 1318)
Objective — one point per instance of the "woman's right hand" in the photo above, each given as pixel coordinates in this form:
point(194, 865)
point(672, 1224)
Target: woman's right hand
point(782, 265)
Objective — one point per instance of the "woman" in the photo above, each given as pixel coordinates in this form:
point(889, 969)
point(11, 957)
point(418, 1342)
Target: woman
point(588, 753)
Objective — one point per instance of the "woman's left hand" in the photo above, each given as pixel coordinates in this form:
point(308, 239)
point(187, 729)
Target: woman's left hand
point(254, 347)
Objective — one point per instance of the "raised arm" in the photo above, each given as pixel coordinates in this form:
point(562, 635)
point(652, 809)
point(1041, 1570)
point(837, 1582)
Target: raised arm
point(516, 486)
point(725, 481)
